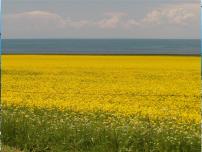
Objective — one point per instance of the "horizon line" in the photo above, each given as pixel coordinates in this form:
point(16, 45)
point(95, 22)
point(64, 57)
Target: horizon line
point(99, 54)
point(99, 38)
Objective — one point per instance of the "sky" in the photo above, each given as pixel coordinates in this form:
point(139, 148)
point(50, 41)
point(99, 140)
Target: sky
point(101, 19)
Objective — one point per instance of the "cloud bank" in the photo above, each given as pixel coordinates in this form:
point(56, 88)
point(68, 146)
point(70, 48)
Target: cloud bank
point(48, 22)
point(171, 15)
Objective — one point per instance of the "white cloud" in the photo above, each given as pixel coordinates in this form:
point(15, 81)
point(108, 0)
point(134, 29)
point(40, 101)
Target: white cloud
point(35, 19)
point(41, 20)
point(31, 23)
point(180, 14)
point(113, 20)
point(110, 21)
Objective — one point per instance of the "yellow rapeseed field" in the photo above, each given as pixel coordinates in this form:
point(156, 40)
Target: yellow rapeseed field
point(158, 87)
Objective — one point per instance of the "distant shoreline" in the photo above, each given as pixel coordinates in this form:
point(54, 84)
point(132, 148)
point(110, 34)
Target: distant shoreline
point(107, 54)
point(4, 39)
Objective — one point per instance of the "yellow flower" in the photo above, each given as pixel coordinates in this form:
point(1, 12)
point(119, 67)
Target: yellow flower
point(158, 87)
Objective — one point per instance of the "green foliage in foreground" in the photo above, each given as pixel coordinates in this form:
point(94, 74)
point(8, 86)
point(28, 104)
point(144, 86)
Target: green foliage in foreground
point(54, 131)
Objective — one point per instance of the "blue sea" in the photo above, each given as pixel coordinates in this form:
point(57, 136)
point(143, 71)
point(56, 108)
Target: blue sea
point(101, 46)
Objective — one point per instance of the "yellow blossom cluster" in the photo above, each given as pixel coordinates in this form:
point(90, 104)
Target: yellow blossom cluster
point(158, 87)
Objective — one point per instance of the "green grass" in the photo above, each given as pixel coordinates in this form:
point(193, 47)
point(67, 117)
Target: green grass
point(68, 131)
